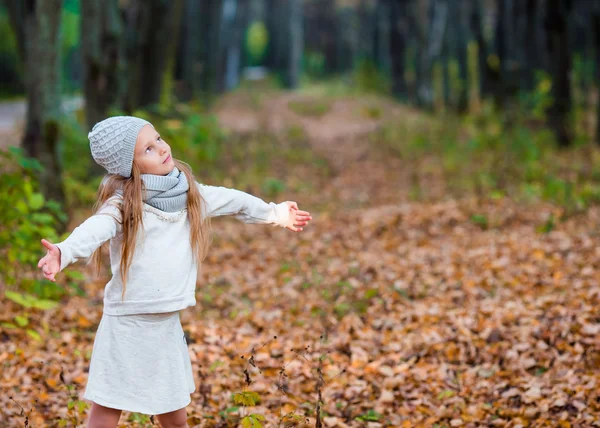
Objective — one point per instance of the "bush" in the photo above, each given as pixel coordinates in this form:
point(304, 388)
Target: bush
point(25, 217)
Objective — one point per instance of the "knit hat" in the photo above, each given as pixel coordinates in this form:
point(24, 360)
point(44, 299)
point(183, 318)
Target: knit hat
point(112, 143)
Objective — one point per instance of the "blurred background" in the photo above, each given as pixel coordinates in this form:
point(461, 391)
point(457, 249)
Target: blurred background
point(439, 98)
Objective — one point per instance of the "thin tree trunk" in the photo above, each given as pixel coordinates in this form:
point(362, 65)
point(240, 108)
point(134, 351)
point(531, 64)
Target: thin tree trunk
point(398, 17)
point(558, 48)
point(148, 32)
point(190, 57)
point(596, 26)
point(37, 22)
point(170, 54)
point(101, 31)
point(235, 45)
point(296, 45)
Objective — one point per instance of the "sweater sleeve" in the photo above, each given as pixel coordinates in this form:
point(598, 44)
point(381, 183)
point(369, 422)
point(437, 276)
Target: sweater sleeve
point(243, 206)
point(91, 234)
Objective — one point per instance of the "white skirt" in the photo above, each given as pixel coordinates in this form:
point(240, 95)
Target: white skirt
point(140, 363)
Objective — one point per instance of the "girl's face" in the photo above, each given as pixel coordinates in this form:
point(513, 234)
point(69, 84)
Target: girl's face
point(152, 154)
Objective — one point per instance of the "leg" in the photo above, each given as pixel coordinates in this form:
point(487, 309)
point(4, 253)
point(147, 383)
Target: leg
point(103, 417)
point(175, 419)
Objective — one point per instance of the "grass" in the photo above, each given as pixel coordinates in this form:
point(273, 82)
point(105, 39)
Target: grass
point(315, 108)
point(485, 156)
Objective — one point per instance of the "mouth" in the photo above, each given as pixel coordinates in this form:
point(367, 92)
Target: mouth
point(167, 159)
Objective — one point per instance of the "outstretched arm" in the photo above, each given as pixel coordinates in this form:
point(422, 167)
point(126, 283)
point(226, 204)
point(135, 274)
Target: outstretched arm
point(82, 242)
point(250, 209)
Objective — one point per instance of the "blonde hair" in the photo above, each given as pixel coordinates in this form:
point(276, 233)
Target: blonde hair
point(131, 215)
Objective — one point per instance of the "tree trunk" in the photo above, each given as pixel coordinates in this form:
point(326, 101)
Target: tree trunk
point(234, 29)
point(209, 34)
point(148, 32)
point(421, 23)
point(596, 26)
point(437, 30)
point(296, 45)
point(37, 22)
point(487, 75)
point(190, 51)
point(101, 32)
point(398, 17)
point(558, 49)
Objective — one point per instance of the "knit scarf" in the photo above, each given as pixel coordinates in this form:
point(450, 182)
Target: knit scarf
point(166, 192)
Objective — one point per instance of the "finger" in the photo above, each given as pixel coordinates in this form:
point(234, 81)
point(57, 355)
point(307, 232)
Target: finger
point(300, 212)
point(293, 204)
point(42, 262)
point(47, 244)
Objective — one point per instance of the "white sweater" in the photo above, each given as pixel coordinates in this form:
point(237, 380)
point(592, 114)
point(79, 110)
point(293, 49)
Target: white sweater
point(162, 276)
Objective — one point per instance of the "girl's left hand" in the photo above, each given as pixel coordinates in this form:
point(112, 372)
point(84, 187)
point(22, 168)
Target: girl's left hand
point(298, 218)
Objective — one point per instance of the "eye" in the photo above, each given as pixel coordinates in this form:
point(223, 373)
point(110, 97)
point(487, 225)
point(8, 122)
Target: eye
point(159, 138)
point(148, 148)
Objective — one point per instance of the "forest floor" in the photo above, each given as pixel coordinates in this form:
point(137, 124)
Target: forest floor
point(398, 312)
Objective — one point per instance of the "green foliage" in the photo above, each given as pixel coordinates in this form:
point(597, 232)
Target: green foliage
point(10, 68)
point(22, 320)
point(273, 187)
point(310, 108)
point(536, 102)
point(26, 217)
point(313, 64)
point(257, 39)
point(370, 416)
point(252, 420)
point(246, 398)
point(368, 78)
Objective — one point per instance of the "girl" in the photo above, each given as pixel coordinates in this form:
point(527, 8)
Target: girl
point(157, 218)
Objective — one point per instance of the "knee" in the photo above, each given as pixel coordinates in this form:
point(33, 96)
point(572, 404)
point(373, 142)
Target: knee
point(176, 419)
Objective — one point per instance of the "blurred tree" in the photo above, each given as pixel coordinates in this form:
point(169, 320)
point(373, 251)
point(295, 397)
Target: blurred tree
point(596, 42)
point(37, 26)
point(235, 17)
point(285, 25)
point(149, 48)
point(103, 61)
point(398, 16)
point(210, 47)
point(560, 68)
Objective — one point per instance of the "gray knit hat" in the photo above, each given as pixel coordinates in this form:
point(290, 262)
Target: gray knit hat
point(112, 143)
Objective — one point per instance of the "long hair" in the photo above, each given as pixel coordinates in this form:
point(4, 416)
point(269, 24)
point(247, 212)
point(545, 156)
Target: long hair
point(131, 209)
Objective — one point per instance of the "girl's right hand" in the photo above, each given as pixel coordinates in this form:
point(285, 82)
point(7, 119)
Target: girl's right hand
point(50, 263)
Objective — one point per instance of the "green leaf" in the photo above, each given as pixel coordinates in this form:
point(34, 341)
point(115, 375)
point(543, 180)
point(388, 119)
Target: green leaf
point(36, 201)
point(34, 334)
point(247, 422)
point(42, 218)
point(21, 320)
point(371, 416)
point(246, 398)
point(8, 325)
point(44, 304)
point(229, 410)
point(447, 393)
point(252, 421)
point(18, 298)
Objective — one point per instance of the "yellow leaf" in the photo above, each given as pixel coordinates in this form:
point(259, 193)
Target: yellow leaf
point(83, 322)
point(51, 382)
